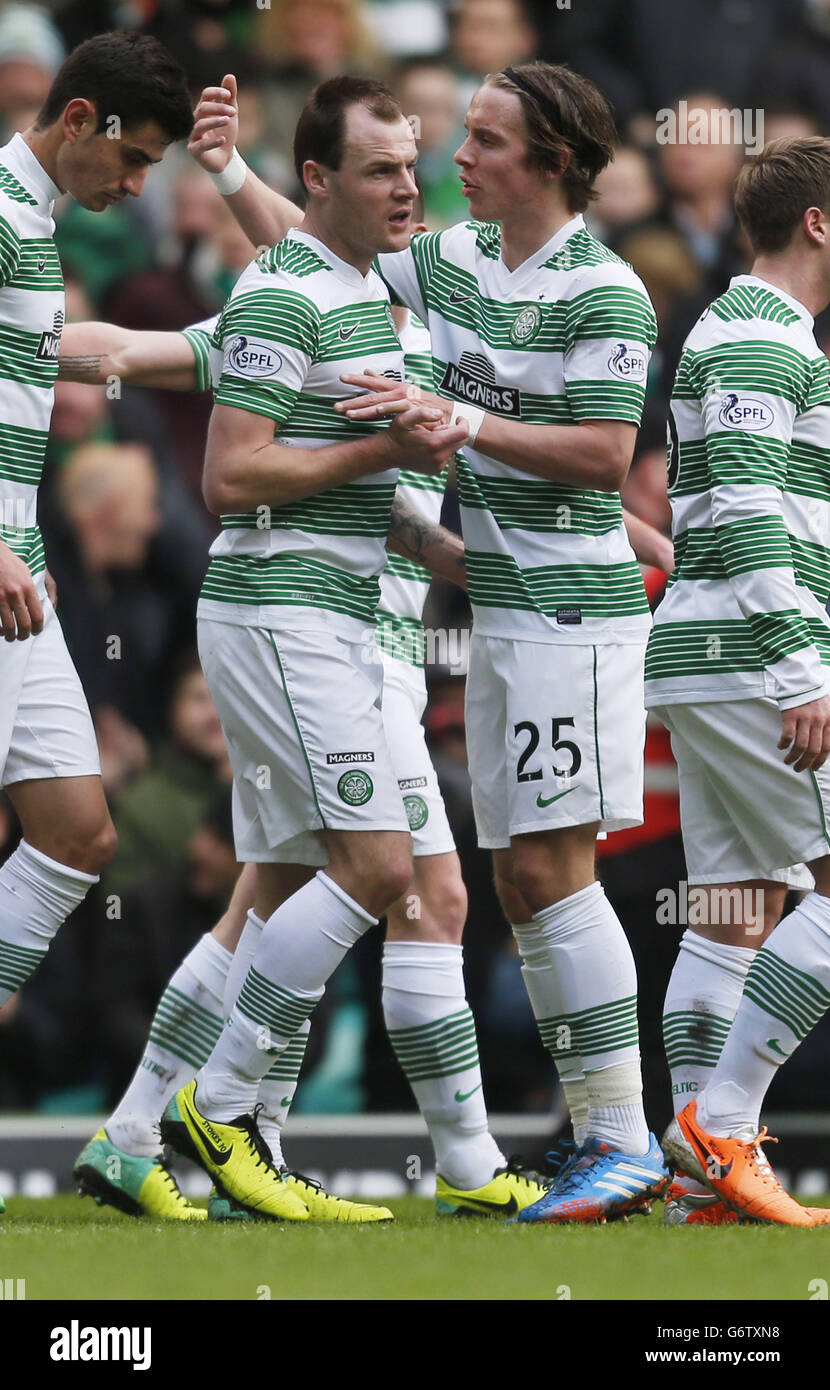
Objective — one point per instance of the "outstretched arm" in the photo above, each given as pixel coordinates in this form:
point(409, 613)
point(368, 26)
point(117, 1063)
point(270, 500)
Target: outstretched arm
point(97, 353)
point(426, 542)
point(263, 214)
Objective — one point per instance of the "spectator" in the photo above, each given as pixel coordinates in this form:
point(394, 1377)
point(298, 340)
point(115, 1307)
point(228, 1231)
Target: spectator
point(158, 811)
point(31, 52)
point(699, 177)
point(307, 41)
point(628, 195)
point(121, 619)
point(488, 35)
point(430, 96)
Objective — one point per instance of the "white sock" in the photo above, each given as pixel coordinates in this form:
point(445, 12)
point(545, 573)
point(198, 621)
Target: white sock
point(432, 1032)
point(787, 991)
point(591, 959)
point(276, 1092)
point(543, 991)
point(242, 957)
point(302, 943)
point(37, 894)
point(186, 1025)
point(701, 1001)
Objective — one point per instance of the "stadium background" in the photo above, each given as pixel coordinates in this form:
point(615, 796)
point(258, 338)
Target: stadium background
point(127, 535)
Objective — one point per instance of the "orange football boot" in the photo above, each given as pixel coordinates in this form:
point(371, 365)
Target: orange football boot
point(685, 1208)
point(737, 1170)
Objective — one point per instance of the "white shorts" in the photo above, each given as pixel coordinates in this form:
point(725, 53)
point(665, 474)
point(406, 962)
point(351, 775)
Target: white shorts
point(404, 701)
point(301, 712)
point(45, 726)
point(743, 812)
point(555, 736)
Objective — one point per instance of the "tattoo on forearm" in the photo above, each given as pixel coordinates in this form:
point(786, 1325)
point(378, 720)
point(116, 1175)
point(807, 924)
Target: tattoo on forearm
point(85, 365)
point(418, 536)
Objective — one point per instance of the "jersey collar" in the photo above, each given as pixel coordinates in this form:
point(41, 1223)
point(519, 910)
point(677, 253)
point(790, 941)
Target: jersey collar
point(349, 273)
point(34, 176)
point(795, 304)
point(529, 267)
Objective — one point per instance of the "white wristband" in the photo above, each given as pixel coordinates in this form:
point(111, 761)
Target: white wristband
point(232, 177)
point(473, 416)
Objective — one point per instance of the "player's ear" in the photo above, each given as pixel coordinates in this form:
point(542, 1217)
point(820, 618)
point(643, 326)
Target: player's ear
point(78, 115)
point(315, 178)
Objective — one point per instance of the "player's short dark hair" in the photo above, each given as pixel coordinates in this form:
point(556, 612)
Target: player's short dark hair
point(776, 187)
point(322, 123)
point(570, 125)
point(128, 75)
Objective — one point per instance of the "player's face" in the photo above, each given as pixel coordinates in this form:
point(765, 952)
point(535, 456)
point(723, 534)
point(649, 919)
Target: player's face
point(99, 169)
point(371, 194)
point(493, 158)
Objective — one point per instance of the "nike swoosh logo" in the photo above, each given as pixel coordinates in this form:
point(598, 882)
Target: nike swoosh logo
point(774, 1044)
point(217, 1156)
point(543, 801)
point(466, 1096)
point(509, 1208)
point(456, 298)
point(347, 332)
point(286, 1100)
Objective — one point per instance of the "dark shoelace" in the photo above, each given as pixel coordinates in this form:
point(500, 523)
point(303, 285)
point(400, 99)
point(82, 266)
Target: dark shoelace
point(517, 1168)
point(255, 1140)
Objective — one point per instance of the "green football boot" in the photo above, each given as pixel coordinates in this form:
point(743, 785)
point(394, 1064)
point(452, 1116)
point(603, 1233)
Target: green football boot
point(136, 1186)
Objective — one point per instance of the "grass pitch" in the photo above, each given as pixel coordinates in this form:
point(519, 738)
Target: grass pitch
point(66, 1248)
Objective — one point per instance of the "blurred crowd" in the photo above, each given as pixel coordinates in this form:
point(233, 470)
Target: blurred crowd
point(127, 535)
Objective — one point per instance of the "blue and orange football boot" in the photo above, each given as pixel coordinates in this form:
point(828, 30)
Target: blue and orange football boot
point(602, 1184)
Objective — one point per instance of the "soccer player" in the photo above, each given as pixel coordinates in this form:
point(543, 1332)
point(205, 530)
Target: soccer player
point(286, 615)
point(543, 337)
point(115, 105)
point(736, 669)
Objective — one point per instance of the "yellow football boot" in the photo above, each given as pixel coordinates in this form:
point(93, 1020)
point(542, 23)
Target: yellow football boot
point(509, 1191)
point(322, 1205)
point(235, 1155)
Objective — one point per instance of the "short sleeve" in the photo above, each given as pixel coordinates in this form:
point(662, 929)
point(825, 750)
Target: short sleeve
point(200, 338)
point(610, 330)
point(268, 339)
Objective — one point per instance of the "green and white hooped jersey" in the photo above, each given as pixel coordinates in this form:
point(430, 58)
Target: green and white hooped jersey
point(564, 338)
point(404, 584)
point(297, 318)
point(31, 320)
point(744, 613)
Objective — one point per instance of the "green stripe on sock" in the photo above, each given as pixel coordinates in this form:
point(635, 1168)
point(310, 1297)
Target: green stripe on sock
point(786, 993)
point(445, 1047)
point(694, 1038)
point(589, 1032)
point(270, 1006)
point(17, 963)
point(286, 1068)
